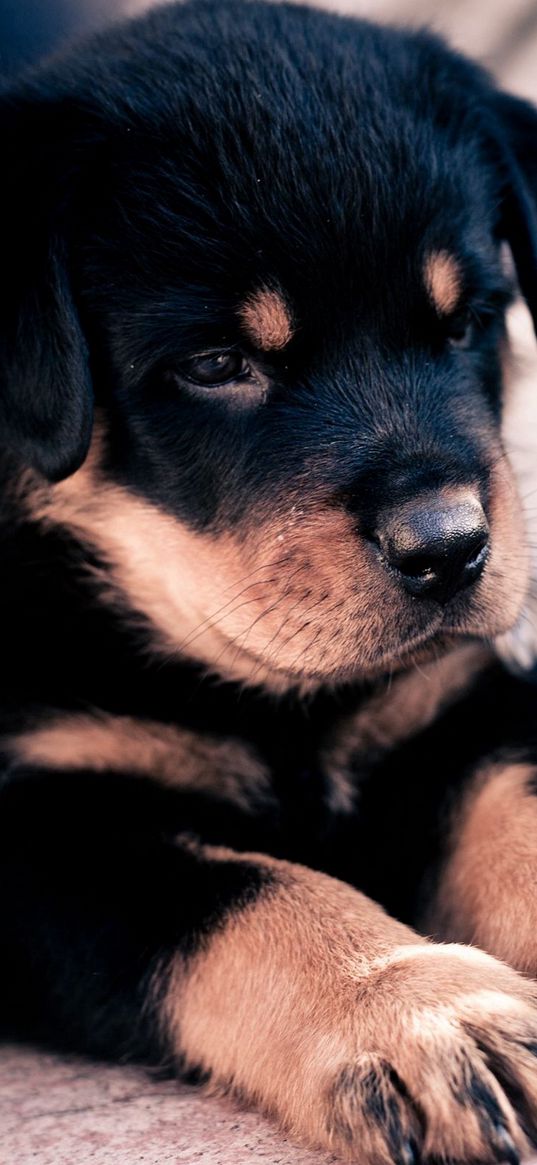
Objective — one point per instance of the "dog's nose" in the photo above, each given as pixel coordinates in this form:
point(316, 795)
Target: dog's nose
point(438, 544)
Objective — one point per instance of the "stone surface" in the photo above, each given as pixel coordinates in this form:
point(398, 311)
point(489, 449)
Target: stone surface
point(62, 1110)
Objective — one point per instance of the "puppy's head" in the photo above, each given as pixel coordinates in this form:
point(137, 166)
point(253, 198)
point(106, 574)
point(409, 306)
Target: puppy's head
point(268, 246)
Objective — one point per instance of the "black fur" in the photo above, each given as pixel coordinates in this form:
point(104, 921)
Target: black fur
point(155, 178)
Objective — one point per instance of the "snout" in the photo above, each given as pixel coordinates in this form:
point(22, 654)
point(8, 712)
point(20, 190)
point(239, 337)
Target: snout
point(437, 544)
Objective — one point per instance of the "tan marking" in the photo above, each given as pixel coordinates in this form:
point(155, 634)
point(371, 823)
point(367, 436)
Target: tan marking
point(412, 701)
point(307, 994)
point(442, 281)
point(487, 887)
point(267, 320)
point(173, 757)
point(261, 605)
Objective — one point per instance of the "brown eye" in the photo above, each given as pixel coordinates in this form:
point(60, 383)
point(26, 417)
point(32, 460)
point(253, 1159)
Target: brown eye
point(461, 330)
point(213, 369)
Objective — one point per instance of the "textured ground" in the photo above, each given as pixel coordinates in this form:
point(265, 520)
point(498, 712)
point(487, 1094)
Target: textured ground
point(64, 1111)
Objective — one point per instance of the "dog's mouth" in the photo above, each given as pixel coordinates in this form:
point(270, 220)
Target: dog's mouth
point(354, 642)
point(412, 651)
point(415, 650)
point(345, 607)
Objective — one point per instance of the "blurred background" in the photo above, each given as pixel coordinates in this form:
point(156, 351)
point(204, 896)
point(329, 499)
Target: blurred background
point(501, 33)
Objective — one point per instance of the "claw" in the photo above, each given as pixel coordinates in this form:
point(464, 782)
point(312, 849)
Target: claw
point(409, 1153)
point(506, 1148)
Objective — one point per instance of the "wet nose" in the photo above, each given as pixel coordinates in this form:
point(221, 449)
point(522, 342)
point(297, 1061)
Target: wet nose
point(437, 544)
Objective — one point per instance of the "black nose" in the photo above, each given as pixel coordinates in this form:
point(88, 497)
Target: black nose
point(438, 544)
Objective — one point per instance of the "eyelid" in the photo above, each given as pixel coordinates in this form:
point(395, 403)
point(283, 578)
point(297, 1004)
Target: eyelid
point(224, 350)
point(248, 389)
point(481, 310)
point(192, 369)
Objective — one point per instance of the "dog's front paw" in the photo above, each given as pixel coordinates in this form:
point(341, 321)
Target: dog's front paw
point(359, 1036)
point(445, 1065)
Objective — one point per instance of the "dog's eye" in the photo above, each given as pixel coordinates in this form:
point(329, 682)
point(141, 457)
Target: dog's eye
point(461, 330)
point(226, 374)
point(213, 369)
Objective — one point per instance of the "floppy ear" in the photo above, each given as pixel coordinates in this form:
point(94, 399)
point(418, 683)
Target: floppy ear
point(45, 383)
point(517, 139)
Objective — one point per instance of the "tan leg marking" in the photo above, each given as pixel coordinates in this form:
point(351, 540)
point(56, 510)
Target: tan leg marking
point(311, 1003)
point(174, 757)
point(267, 320)
point(442, 281)
point(487, 893)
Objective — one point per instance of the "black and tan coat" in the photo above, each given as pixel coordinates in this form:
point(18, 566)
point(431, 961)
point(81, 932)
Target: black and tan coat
point(267, 805)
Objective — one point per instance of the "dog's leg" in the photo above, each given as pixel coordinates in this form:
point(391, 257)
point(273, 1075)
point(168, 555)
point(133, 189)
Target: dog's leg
point(487, 887)
point(270, 980)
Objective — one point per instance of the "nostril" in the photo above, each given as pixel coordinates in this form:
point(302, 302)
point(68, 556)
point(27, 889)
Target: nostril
point(415, 566)
point(463, 550)
point(441, 575)
point(476, 562)
point(478, 556)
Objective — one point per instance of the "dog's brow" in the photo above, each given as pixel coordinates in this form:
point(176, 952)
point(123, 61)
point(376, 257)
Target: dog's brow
point(443, 281)
point(267, 319)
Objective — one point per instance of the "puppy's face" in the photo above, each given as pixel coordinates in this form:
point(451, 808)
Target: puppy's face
point(289, 271)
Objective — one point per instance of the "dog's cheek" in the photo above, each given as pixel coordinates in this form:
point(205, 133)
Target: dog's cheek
point(258, 604)
point(318, 578)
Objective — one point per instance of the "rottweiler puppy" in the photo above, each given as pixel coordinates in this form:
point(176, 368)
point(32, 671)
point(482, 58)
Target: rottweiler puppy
point(268, 807)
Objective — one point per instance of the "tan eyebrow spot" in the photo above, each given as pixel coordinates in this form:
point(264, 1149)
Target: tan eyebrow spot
point(267, 319)
point(443, 281)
